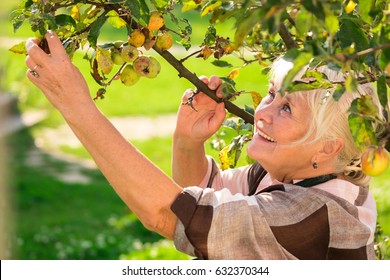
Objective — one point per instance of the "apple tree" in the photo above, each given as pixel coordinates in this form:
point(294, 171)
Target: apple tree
point(350, 36)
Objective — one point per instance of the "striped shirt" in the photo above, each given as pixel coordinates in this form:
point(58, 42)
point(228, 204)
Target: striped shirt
point(218, 220)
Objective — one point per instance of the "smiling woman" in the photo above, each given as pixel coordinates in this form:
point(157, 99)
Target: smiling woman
point(304, 192)
point(294, 203)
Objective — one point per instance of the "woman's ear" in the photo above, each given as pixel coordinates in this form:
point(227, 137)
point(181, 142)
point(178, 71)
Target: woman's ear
point(329, 150)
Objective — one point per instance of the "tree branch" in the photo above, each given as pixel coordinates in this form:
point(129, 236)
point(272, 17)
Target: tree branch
point(191, 77)
point(286, 37)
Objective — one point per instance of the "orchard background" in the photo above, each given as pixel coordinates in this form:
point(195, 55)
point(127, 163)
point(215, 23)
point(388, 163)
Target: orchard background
point(54, 218)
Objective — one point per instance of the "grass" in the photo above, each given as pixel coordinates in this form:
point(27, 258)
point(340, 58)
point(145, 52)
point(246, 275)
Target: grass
point(60, 220)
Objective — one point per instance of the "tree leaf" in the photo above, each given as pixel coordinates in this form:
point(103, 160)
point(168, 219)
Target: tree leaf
point(339, 91)
point(362, 131)
point(245, 25)
point(300, 59)
point(351, 84)
point(224, 158)
point(365, 7)
point(160, 4)
point(256, 99)
point(364, 106)
point(75, 13)
point(331, 21)
point(115, 20)
point(315, 7)
point(222, 63)
point(382, 91)
point(351, 34)
point(303, 21)
point(210, 6)
point(65, 20)
point(139, 9)
point(95, 31)
point(19, 48)
point(189, 5)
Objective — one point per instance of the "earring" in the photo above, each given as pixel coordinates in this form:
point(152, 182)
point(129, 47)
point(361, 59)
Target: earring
point(315, 165)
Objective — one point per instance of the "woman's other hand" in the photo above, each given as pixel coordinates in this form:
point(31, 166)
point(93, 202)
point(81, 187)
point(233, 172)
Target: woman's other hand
point(56, 76)
point(200, 124)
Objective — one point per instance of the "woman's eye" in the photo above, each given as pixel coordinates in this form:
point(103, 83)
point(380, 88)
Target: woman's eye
point(270, 97)
point(286, 108)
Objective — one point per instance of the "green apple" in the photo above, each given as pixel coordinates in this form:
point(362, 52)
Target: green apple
point(129, 53)
point(129, 76)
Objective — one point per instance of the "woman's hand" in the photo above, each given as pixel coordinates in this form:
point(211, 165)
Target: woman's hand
point(197, 126)
point(193, 128)
point(56, 76)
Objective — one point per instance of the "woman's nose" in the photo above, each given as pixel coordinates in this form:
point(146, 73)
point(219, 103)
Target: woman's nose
point(264, 113)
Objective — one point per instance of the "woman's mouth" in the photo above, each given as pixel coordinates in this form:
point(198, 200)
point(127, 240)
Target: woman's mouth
point(265, 136)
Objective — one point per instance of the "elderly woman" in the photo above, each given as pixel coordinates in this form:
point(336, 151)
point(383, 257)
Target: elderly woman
point(305, 198)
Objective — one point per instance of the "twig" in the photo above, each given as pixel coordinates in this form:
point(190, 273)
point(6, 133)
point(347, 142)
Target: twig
point(368, 51)
point(190, 55)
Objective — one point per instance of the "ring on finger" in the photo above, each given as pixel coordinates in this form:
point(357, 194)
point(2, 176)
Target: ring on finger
point(33, 72)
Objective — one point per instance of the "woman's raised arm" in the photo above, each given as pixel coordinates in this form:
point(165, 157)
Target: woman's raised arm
point(145, 189)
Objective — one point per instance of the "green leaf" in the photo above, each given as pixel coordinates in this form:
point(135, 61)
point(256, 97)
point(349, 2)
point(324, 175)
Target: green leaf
point(303, 21)
point(351, 84)
point(245, 25)
point(362, 131)
point(365, 7)
point(299, 59)
point(65, 20)
point(51, 21)
point(222, 64)
point(309, 81)
point(382, 91)
point(17, 19)
point(115, 20)
point(95, 31)
point(139, 9)
point(364, 106)
point(210, 36)
point(190, 5)
point(315, 7)
point(352, 34)
point(331, 22)
point(19, 48)
point(339, 91)
point(230, 155)
point(160, 4)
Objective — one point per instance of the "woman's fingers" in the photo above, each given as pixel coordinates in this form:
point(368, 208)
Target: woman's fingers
point(55, 45)
point(215, 82)
point(219, 117)
point(35, 52)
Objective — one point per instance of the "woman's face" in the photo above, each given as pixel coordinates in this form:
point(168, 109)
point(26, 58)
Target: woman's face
point(279, 121)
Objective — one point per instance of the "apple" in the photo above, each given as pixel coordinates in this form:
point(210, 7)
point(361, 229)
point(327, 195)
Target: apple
point(164, 41)
point(116, 56)
point(156, 21)
point(129, 76)
point(375, 160)
point(129, 53)
point(136, 38)
point(147, 66)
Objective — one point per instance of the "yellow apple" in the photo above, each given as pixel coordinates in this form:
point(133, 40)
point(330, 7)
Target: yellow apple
point(375, 160)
